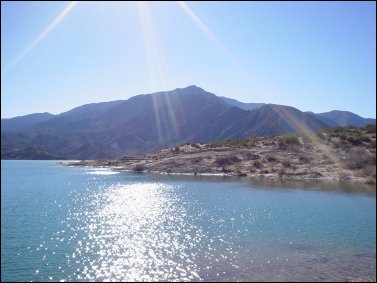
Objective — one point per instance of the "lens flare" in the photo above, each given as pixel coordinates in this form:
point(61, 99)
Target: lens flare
point(40, 37)
point(263, 92)
point(157, 76)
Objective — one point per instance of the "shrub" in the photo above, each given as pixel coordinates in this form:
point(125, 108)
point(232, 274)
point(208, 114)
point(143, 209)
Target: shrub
point(176, 149)
point(271, 158)
point(252, 156)
point(257, 164)
point(338, 129)
point(195, 145)
point(196, 160)
point(355, 140)
point(282, 146)
point(359, 161)
point(370, 128)
point(321, 136)
point(369, 171)
point(304, 159)
point(290, 140)
point(243, 143)
point(139, 168)
point(372, 144)
point(228, 160)
point(286, 163)
point(224, 170)
point(365, 139)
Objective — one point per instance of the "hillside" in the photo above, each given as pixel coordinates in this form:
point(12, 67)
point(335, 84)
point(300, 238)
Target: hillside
point(340, 154)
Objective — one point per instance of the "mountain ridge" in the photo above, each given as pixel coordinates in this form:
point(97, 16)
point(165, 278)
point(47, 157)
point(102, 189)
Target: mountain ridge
point(147, 122)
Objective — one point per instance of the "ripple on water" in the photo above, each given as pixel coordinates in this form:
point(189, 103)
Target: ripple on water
point(136, 232)
point(155, 231)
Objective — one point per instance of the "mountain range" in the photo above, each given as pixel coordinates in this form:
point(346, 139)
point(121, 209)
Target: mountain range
point(148, 122)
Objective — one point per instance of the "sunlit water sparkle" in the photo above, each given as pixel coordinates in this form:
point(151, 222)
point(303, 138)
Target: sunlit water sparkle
point(82, 224)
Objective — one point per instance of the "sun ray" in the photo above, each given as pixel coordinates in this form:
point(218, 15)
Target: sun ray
point(201, 25)
point(150, 64)
point(262, 89)
point(320, 146)
point(39, 38)
point(156, 72)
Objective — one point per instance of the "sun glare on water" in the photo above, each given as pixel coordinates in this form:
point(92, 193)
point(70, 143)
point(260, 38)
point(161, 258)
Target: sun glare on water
point(136, 233)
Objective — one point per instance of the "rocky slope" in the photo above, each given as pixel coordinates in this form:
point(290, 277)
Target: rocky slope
point(340, 154)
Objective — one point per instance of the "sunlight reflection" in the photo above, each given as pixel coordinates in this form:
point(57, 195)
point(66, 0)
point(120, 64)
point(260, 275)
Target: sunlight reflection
point(138, 232)
point(43, 34)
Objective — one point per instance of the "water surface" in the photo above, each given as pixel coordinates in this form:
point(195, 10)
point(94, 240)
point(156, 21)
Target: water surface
point(81, 224)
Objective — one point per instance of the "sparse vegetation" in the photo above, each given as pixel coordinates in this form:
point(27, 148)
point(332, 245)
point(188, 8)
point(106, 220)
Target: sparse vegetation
point(196, 160)
point(271, 159)
point(252, 156)
point(370, 128)
point(286, 163)
point(354, 140)
point(304, 159)
point(176, 150)
point(225, 161)
point(289, 140)
point(343, 153)
point(139, 168)
point(257, 164)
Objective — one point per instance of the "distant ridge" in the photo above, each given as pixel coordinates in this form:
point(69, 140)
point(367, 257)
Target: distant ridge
point(242, 105)
point(148, 122)
point(23, 122)
point(346, 118)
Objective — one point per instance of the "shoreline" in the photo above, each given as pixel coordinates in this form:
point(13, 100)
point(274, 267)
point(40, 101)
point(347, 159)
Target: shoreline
point(345, 154)
point(270, 177)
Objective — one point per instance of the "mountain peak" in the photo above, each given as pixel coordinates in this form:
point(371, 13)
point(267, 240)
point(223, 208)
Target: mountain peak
point(193, 87)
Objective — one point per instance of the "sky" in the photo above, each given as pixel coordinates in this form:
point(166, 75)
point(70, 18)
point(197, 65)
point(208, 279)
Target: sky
point(315, 56)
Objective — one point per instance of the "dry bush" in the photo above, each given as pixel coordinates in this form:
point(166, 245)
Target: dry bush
point(304, 159)
point(139, 168)
point(196, 160)
point(271, 158)
point(257, 164)
point(228, 160)
point(286, 163)
point(252, 156)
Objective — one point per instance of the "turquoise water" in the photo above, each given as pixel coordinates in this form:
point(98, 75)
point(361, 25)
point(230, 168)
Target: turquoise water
point(81, 224)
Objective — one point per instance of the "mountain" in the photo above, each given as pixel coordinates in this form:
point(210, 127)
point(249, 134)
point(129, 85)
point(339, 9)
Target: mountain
point(145, 123)
point(23, 122)
point(345, 118)
point(242, 105)
point(275, 119)
point(324, 119)
point(31, 153)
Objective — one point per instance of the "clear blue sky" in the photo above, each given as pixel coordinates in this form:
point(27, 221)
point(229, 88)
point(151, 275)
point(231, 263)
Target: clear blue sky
point(316, 56)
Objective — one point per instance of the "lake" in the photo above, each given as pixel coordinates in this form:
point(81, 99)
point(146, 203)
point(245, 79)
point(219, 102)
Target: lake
point(92, 224)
